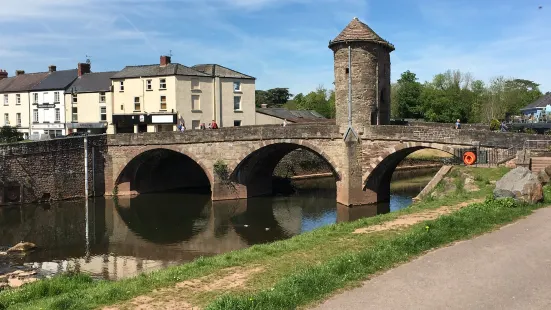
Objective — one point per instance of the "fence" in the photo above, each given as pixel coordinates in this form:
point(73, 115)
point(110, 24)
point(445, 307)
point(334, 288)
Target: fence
point(537, 144)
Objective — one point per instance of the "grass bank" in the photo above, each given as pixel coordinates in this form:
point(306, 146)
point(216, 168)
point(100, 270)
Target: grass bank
point(289, 273)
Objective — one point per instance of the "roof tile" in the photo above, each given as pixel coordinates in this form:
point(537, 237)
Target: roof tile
point(358, 31)
point(156, 70)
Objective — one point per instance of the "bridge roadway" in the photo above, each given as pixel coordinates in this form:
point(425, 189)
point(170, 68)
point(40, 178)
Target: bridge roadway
point(235, 162)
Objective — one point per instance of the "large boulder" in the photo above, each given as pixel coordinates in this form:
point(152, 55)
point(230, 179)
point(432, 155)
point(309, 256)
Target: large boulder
point(521, 184)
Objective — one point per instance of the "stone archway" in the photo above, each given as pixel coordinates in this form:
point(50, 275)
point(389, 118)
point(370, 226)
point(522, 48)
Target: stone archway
point(377, 179)
point(159, 169)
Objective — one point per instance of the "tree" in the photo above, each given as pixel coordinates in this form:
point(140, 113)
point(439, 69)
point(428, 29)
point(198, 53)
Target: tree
point(278, 96)
point(321, 100)
point(408, 96)
point(10, 134)
point(261, 97)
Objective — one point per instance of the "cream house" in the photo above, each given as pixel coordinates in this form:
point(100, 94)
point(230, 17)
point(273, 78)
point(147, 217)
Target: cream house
point(89, 105)
point(15, 99)
point(154, 98)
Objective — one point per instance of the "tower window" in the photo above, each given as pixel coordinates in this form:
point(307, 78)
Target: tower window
point(347, 70)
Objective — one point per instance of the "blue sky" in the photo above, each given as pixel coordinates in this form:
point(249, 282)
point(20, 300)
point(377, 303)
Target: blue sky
point(283, 43)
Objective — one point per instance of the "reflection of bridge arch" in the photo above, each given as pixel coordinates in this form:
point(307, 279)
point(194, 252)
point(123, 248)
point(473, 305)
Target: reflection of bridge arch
point(156, 219)
point(378, 178)
point(255, 169)
point(162, 168)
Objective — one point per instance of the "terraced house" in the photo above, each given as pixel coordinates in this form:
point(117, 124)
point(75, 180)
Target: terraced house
point(15, 96)
point(154, 98)
point(48, 101)
point(90, 103)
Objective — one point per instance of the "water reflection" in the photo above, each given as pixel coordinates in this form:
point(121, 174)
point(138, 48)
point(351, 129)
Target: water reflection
point(116, 239)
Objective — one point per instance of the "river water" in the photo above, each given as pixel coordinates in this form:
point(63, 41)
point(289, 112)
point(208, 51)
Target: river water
point(112, 239)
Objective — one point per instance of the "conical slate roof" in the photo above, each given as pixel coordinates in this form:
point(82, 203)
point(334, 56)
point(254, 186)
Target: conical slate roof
point(358, 31)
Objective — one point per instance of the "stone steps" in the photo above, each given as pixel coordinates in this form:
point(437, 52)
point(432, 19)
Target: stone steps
point(539, 163)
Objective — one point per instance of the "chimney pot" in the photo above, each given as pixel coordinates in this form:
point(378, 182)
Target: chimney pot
point(83, 68)
point(52, 68)
point(165, 60)
point(3, 74)
point(264, 105)
point(19, 72)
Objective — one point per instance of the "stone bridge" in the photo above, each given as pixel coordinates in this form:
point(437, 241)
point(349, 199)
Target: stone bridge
point(234, 163)
point(239, 162)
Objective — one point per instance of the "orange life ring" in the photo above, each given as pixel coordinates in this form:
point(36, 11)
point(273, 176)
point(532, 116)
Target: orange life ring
point(469, 158)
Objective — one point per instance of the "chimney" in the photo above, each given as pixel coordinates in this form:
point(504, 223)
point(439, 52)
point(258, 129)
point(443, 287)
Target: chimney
point(83, 68)
point(165, 60)
point(19, 72)
point(3, 74)
point(264, 105)
point(52, 68)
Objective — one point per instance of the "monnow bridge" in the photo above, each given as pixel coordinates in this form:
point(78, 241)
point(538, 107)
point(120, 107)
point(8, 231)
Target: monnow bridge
point(361, 147)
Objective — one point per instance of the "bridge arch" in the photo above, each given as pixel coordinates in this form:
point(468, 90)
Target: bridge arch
point(156, 169)
point(255, 170)
point(378, 177)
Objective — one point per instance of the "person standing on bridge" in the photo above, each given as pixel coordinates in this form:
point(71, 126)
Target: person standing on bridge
point(214, 125)
point(458, 124)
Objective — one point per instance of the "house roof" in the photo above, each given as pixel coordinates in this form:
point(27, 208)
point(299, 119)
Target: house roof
point(23, 82)
point(358, 31)
point(541, 102)
point(221, 71)
point(294, 116)
point(57, 80)
point(156, 70)
point(92, 82)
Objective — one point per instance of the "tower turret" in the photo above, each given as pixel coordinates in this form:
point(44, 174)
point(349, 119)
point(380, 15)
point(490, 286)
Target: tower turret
point(370, 73)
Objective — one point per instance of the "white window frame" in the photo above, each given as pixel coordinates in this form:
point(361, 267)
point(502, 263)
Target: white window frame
point(74, 98)
point(103, 113)
point(35, 115)
point(198, 107)
point(240, 104)
point(56, 97)
point(162, 84)
point(18, 119)
point(57, 115)
point(139, 104)
point(237, 121)
point(18, 99)
point(161, 103)
point(102, 97)
point(121, 86)
point(149, 85)
point(237, 83)
point(74, 114)
point(44, 98)
point(6, 100)
point(35, 98)
point(6, 119)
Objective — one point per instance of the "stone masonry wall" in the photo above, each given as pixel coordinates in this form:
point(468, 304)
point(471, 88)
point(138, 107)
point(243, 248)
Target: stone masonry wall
point(49, 170)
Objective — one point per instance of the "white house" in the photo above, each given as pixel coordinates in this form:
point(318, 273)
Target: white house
point(47, 108)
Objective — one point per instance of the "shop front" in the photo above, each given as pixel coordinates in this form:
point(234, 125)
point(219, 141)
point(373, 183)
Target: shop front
point(90, 128)
point(137, 123)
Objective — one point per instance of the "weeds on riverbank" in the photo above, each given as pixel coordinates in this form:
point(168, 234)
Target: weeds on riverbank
point(297, 271)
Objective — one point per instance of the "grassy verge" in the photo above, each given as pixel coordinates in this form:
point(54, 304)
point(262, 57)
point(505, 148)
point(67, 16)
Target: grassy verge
point(297, 271)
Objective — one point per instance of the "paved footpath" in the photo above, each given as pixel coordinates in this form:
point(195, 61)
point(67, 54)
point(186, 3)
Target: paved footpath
point(506, 269)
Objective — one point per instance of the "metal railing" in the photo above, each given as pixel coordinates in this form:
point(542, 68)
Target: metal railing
point(537, 144)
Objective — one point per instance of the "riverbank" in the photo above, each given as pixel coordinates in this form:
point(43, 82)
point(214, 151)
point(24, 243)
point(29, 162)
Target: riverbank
point(294, 272)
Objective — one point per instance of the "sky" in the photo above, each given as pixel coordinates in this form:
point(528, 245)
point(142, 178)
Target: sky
point(283, 43)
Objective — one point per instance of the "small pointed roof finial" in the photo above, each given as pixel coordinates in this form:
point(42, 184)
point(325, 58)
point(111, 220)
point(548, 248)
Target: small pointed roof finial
point(355, 18)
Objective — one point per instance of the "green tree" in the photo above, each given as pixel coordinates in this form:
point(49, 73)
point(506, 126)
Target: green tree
point(408, 96)
point(321, 100)
point(261, 97)
point(394, 113)
point(10, 134)
point(278, 96)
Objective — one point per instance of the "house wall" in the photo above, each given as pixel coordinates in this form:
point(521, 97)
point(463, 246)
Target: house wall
point(205, 113)
point(47, 116)
point(150, 100)
point(12, 109)
point(248, 109)
point(88, 108)
point(263, 119)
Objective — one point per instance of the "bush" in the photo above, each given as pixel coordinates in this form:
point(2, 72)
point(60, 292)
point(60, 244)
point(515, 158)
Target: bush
point(10, 134)
point(495, 124)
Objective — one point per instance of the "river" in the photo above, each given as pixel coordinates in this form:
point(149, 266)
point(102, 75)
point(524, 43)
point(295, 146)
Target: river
point(114, 239)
